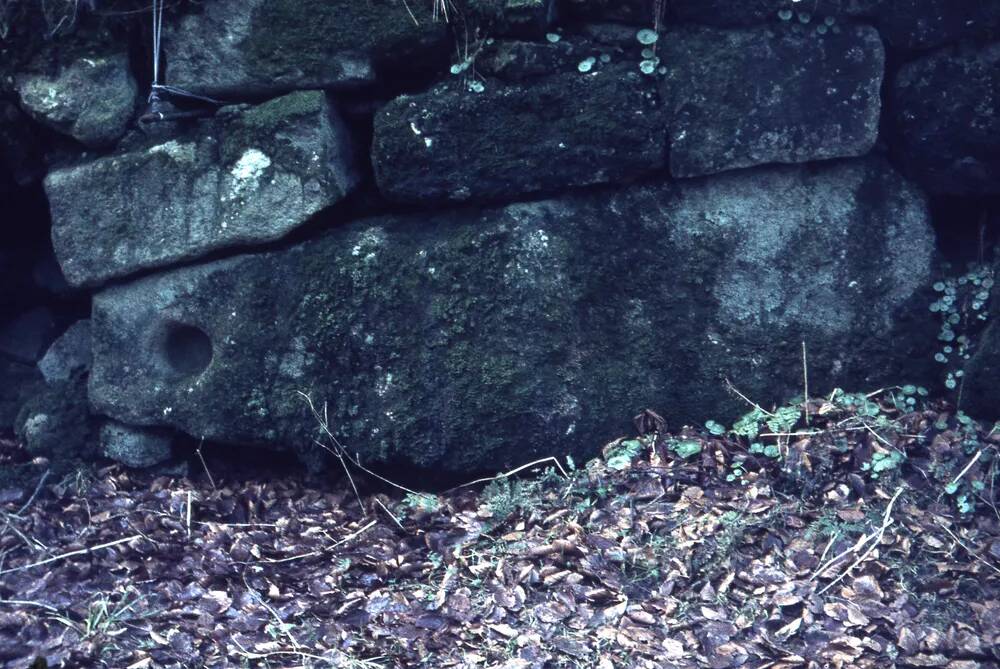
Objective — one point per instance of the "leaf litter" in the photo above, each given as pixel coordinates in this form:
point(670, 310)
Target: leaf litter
point(861, 531)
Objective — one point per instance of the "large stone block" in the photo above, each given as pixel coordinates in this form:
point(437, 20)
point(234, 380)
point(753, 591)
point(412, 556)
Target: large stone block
point(482, 338)
point(68, 355)
point(637, 12)
point(512, 18)
point(91, 99)
point(948, 119)
point(237, 49)
point(570, 129)
point(924, 24)
point(245, 180)
point(907, 25)
point(738, 98)
point(726, 13)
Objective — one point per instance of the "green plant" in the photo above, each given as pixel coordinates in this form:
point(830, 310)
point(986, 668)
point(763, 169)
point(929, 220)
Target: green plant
point(504, 498)
point(770, 450)
point(883, 461)
point(715, 428)
point(106, 614)
point(685, 448)
point(962, 305)
point(422, 502)
point(620, 456)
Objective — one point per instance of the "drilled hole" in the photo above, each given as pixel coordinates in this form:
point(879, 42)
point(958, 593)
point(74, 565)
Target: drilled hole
point(187, 349)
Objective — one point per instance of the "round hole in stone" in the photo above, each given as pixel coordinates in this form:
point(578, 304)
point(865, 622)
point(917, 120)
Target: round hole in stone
point(187, 349)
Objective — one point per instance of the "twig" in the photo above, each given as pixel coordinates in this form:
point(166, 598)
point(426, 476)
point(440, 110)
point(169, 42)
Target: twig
point(283, 628)
point(82, 551)
point(514, 471)
point(801, 433)
point(32, 542)
point(391, 515)
point(875, 538)
point(973, 461)
point(805, 384)
point(321, 550)
point(730, 386)
point(968, 550)
point(829, 545)
point(875, 434)
point(250, 655)
point(203, 464)
point(344, 456)
point(340, 453)
point(31, 499)
point(28, 602)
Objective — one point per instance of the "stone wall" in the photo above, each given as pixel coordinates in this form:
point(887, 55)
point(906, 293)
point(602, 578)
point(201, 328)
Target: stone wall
point(481, 240)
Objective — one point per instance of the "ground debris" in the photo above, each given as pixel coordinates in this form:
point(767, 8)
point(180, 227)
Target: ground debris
point(870, 538)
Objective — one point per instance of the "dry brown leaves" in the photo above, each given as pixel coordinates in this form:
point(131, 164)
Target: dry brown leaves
point(660, 563)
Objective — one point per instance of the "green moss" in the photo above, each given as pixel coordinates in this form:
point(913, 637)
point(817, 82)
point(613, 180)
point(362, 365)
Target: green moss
point(265, 126)
point(304, 35)
point(277, 113)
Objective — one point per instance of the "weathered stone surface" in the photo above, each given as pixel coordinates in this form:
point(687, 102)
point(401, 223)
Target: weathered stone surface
point(68, 354)
point(485, 337)
point(982, 373)
point(91, 100)
point(738, 98)
point(245, 180)
point(512, 18)
point(135, 447)
point(725, 13)
point(636, 12)
point(518, 61)
point(907, 25)
point(925, 24)
point(56, 422)
point(948, 118)
point(571, 129)
point(239, 48)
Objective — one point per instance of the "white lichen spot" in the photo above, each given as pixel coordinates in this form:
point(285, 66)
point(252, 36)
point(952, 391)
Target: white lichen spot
point(178, 152)
point(415, 129)
point(251, 165)
point(428, 142)
point(383, 384)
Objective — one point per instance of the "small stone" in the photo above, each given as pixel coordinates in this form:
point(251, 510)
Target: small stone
point(91, 100)
point(134, 446)
point(69, 353)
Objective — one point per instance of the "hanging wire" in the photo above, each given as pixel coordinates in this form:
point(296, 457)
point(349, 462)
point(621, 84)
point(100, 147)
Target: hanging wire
point(157, 86)
point(157, 30)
